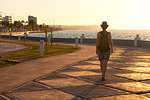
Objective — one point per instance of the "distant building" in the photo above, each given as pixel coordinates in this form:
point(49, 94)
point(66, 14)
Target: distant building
point(32, 19)
point(7, 18)
point(1, 18)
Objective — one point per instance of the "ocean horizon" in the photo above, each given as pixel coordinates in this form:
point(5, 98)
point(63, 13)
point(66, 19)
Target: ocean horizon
point(116, 34)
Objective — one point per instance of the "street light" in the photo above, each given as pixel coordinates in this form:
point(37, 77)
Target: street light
point(46, 31)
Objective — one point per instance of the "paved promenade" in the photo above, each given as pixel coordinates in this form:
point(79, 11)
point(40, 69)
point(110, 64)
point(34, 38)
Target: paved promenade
point(11, 77)
point(76, 76)
point(11, 47)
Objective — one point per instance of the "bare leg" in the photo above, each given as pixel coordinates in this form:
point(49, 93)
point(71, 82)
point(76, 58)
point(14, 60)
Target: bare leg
point(104, 67)
point(101, 66)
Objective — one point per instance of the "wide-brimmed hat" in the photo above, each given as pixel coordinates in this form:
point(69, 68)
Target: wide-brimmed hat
point(104, 23)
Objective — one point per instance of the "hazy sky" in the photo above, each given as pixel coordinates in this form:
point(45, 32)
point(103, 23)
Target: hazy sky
point(120, 14)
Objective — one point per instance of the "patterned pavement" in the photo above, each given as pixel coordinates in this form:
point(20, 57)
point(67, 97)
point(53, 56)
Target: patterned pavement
point(11, 47)
point(128, 78)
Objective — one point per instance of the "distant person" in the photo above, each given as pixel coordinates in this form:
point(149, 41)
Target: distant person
point(138, 37)
point(104, 47)
point(82, 36)
point(25, 36)
point(10, 35)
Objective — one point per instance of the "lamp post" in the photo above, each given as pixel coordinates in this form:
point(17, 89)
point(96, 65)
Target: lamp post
point(46, 31)
point(10, 33)
point(51, 36)
point(25, 34)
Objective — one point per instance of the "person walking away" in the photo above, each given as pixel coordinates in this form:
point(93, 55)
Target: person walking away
point(104, 47)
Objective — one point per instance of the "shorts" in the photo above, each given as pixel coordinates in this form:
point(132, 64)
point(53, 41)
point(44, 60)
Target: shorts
point(103, 56)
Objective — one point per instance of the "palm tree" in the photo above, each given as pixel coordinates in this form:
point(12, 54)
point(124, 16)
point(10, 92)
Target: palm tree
point(18, 25)
point(32, 24)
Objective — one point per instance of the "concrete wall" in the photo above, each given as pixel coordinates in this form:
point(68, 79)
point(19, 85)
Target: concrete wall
point(144, 44)
point(87, 40)
point(123, 42)
point(22, 37)
point(66, 40)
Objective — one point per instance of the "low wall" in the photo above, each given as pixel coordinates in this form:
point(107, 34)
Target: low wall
point(86, 41)
point(115, 41)
point(13, 33)
point(144, 44)
point(19, 33)
point(123, 42)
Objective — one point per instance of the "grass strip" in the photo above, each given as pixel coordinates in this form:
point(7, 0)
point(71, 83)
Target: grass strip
point(34, 52)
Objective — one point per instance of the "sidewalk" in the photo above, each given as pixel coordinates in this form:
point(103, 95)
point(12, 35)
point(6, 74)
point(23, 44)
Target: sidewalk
point(11, 47)
point(11, 77)
point(128, 77)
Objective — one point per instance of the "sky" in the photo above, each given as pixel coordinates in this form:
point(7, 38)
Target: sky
point(120, 14)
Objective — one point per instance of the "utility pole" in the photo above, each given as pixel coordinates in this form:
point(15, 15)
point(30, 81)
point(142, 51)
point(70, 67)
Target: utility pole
point(51, 36)
point(46, 32)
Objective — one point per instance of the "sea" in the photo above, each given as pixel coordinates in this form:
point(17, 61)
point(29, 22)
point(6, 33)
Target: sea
point(116, 34)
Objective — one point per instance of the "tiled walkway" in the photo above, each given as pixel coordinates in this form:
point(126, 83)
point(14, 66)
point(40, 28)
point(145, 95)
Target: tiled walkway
point(128, 78)
point(11, 47)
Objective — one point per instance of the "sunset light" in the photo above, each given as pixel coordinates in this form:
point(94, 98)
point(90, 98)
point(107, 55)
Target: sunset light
point(120, 14)
point(75, 50)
